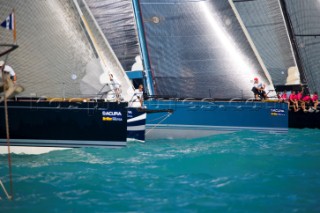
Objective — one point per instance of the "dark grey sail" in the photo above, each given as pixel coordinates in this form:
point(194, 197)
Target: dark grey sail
point(305, 25)
point(198, 49)
point(266, 25)
point(117, 22)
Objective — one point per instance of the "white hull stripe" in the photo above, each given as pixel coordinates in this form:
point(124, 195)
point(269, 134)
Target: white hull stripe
point(63, 143)
point(138, 118)
point(136, 128)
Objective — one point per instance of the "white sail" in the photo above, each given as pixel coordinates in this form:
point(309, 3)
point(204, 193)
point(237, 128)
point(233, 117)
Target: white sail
point(56, 55)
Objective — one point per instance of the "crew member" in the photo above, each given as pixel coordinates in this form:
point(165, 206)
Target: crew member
point(258, 90)
point(115, 87)
point(137, 99)
point(9, 80)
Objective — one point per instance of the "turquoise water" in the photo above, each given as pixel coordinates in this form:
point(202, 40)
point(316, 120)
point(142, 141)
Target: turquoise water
point(238, 172)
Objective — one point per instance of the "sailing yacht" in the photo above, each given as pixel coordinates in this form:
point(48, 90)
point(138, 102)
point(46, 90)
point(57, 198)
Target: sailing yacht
point(64, 64)
point(206, 74)
point(200, 58)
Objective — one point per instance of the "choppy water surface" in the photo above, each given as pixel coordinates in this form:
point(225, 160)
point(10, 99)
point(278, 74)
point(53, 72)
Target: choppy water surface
point(238, 172)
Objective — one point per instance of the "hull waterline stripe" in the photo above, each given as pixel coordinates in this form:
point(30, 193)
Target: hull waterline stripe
point(63, 143)
point(204, 127)
point(136, 128)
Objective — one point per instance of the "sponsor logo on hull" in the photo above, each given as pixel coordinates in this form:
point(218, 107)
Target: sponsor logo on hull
point(277, 112)
point(111, 116)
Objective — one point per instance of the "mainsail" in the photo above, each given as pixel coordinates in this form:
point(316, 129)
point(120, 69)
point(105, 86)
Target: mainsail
point(56, 56)
point(53, 50)
point(198, 49)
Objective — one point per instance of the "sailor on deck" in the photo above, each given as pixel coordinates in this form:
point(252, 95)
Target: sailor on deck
point(258, 90)
point(137, 99)
point(9, 79)
point(115, 87)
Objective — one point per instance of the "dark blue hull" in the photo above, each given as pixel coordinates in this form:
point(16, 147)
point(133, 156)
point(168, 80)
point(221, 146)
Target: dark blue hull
point(136, 124)
point(203, 118)
point(65, 124)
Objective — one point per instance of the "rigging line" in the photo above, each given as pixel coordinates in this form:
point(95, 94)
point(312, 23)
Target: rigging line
point(169, 114)
point(240, 1)
point(307, 35)
point(5, 191)
point(12, 47)
point(159, 118)
point(7, 129)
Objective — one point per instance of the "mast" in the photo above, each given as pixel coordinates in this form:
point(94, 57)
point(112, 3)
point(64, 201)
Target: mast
point(143, 46)
point(292, 39)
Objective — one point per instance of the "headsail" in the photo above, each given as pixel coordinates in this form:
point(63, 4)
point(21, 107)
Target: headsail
point(117, 22)
point(109, 62)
